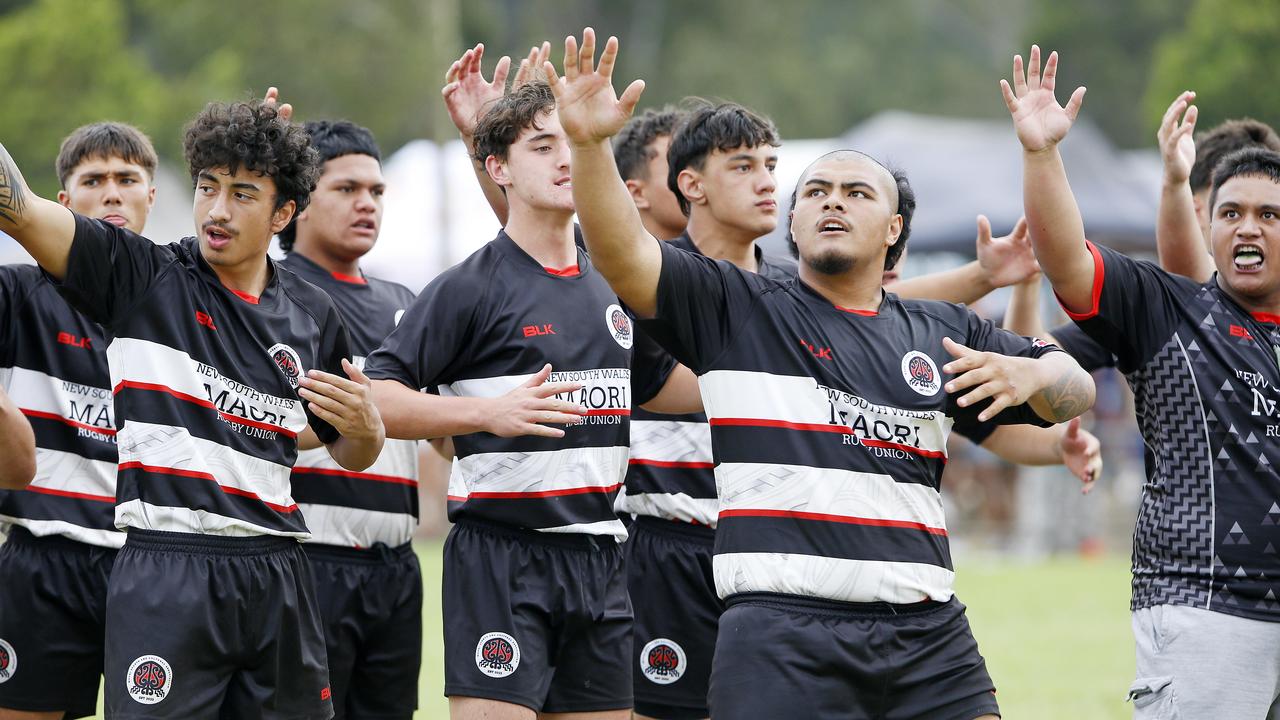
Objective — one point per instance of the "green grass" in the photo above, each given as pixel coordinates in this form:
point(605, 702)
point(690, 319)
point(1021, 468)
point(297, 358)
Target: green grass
point(1055, 634)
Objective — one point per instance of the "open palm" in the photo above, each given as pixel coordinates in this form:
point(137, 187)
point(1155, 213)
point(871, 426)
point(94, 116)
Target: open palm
point(1038, 119)
point(589, 108)
point(1177, 139)
point(467, 94)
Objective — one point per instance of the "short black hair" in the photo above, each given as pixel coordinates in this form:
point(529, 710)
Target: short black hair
point(906, 208)
point(709, 127)
point(1230, 136)
point(508, 116)
point(252, 135)
point(1254, 161)
point(632, 148)
point(332, 139)
point(105, 140)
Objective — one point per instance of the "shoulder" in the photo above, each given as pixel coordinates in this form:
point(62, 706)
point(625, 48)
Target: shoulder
point(390, 289)
point(306, 296)
point(778, 267)
point(954, 317)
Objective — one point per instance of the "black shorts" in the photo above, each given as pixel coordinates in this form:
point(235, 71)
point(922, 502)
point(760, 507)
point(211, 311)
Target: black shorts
point(677, 612)
point(371, 605)
point(53, 597)
point(538, 619)
point(203, 626)
point(785, 656)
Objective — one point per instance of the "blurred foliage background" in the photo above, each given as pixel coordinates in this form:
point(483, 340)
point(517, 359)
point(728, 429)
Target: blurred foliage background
point(816, 67)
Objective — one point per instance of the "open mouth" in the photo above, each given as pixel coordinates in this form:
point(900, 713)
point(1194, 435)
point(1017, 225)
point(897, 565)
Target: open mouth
point(367, 226)
point(217, 237)
point(564, 183)
point(832, 225)
point(1248, 258)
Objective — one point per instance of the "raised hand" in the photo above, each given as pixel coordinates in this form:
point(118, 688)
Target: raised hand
point(1177, 142)
point(272, 97)
point(531, 67)
point(1006, 260)
point(589, 108)
point(1081, 453)
point(1008, 381)
point(1039, 120)
point(466, 92)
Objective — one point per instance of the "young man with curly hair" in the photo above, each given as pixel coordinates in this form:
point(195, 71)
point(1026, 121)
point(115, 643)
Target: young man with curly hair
point(222, 364)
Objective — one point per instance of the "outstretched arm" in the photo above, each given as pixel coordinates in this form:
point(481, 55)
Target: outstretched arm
point(591, 113)
point(1179, 241)
point(1055, 386)
point(1001, 262)
point(43, 227)
point(17, 446)
point(1064, 444)
point(1057, 230)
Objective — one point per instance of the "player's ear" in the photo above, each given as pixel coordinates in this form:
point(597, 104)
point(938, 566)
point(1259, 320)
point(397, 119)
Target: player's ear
point(895, 230)
point(281, 217)
point(690, 183)
point(636, 188)
point(497, 170)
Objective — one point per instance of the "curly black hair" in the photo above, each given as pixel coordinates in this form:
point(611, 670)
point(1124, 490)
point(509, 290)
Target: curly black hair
point(632, 148)
point(254, 136)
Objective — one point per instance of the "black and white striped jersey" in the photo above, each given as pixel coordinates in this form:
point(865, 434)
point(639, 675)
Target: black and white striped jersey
point(1205, 375)
point(205, 382)
point(380, 503)
point(829, 429)
point(53, 364)
point(481, 329)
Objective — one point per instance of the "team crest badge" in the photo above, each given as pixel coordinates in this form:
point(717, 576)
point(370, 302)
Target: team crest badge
point(497, 654)
point(921, 373)
point(8, 661)
point(150, 679)
point(662, 661)
point(286, 358)
point(619, 324)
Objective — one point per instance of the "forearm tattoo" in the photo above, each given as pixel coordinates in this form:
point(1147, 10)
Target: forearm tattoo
point(1069, 396)
point(13, 189)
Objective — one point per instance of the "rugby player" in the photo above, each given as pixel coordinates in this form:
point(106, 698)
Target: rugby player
point(1203, 359)
point(787, 369)
point(368, 582)
point(220, 361)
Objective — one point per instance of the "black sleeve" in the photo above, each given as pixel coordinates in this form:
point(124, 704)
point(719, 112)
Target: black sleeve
point(986, 336)
point(976, 432)
point(334, 346)
point(432, 337)
point(701, 305)
point(15, 284)
point(1076, 343)
point(1134, 307)
point(109, 268)
point(650, 368)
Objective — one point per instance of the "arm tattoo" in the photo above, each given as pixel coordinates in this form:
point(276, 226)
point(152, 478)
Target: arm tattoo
point(1069, 396)
point(13, 190)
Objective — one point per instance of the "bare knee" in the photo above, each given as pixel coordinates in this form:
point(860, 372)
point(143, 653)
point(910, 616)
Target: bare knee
point(470, 708)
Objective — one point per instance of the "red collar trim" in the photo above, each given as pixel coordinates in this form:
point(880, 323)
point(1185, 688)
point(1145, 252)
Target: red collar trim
point(571, 271)
point(863, 313)
point(353, 279)
point(1267, 318)
point(251, 299)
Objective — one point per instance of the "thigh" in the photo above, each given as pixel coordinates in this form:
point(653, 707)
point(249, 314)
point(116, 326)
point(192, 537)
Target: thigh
point(338, 597)
point(497, 604)
point(51, 626)
point(384, 678)
point(1198, 663)
point(593, 655)
point(677, 613)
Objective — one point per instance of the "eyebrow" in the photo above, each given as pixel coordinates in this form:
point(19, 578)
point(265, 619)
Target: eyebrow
point(540, 137)
point(108, 173)
point(206, 175)
point(856, 184)
point(746, 156)
point(355, 181)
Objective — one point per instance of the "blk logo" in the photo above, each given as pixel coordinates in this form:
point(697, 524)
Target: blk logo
point(67, 338)
point(820, 353)
point(1237, 331)
point(537, 330)
point(205, 320)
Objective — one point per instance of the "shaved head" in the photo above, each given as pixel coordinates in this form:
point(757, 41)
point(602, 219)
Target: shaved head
point(889, 181)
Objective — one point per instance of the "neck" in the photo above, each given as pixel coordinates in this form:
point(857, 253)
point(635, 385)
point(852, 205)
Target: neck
point(318, 254)
point(657, 229)
point(722, 242)
point(249, 277)
point(546, 235)
point(1269, 305)
point(856, 289)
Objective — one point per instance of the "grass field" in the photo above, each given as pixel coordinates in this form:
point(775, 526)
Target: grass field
point(1055, 634)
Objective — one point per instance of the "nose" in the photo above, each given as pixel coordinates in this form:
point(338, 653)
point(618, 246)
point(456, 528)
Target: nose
point(833, 202)
point(1248, 226)
point(767, 183)
point(220, 210)
point(365, 201)
point(562, 160)
point(112, 195)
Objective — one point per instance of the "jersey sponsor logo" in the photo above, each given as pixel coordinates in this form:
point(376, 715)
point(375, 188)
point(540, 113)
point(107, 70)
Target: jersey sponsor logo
point(1240, 332)
point(921, 373)
point(822, 353)
point(619, 326)
point(8, 661)
point(497, 654)
point(66, 338)
point(150, 679)
point(205, 319)
point(662, 661)
point(286, 358)
point(537, 330)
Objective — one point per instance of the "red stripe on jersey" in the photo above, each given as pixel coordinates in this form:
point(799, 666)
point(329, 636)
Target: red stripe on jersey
point(808, 427)
point(609, 412)
point(1095, 298)
point(823, 517)
point(870, 442)
point(571, 271)
point(357, 475)
point(67, 421)
point(1267, 318)
point(672, 464)
point(70, 494)
point(135, 465)
point(855, 311)
point(251, 299)
point(353, 279)
point(134, 385)
point(539, 493)
point(455, 498)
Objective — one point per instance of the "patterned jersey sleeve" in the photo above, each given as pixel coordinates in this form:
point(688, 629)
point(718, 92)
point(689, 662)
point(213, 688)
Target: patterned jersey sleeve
point(334, 346)
point(1134, 307)
point(1077, 343)
point(702, 303)
point(433, 337)
point(108, 269)
point(986, 336)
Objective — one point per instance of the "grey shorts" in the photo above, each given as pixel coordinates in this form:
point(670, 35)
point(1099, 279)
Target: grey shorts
point(1195, 663)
